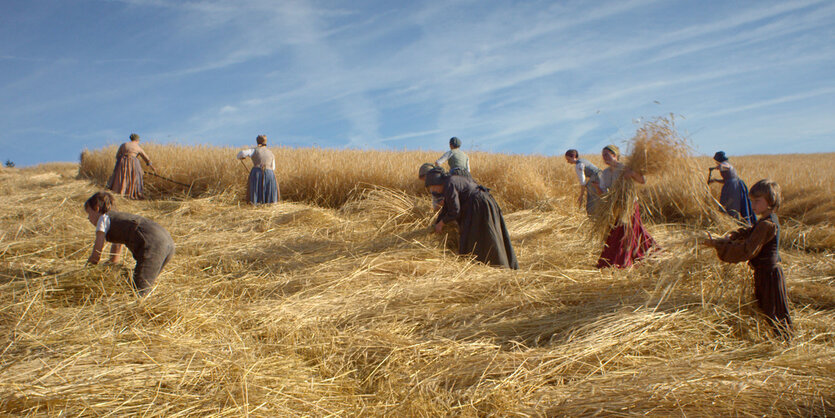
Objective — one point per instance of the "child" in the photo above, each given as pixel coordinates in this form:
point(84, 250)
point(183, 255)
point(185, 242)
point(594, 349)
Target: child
point(437, 198)
point(587, 174)
point(459, 163)
point(759, 245)
point(150, 244)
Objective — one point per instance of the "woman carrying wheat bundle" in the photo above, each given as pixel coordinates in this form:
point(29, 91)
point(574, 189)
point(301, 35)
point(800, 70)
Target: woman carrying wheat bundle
point(261, 187)
point(627, 241)
point(126, 179)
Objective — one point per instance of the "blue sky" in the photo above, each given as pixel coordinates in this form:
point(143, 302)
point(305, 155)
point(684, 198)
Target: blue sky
point(505, 76)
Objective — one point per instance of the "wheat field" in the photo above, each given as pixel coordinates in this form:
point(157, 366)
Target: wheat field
point(339, 302)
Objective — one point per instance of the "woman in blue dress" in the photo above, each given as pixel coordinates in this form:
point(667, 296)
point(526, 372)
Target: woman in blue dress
point(262, 186)
point(734, 195)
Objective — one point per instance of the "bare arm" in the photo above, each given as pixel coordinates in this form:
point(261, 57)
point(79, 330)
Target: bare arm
point(635, 176)
point(98, 246)
point(115, 252)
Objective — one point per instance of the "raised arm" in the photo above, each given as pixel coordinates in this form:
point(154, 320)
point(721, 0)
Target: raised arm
point(444, 158)
point(246, 153)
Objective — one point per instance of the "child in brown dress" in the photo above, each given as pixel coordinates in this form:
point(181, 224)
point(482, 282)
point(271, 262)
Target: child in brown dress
point(759, 245)
point(150, 244)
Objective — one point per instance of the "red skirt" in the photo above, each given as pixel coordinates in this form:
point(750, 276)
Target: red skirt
point(621, 251)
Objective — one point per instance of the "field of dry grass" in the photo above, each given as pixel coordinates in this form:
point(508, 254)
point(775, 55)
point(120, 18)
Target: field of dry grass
point(340, 302)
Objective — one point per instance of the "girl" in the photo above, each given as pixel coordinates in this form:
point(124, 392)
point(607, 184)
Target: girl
point(481, 227)
point(759, 245)
point(734, 197)
point(262, 187)
point(587, 174)
point(621, 250)
point(127, 174)
point(150, 244)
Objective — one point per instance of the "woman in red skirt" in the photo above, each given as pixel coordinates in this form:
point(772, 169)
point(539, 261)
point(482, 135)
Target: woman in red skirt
point(623, 245)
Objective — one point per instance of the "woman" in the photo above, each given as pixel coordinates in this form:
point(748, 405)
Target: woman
point(621, 250)
point(126, 179)
point(262, 187)
point(734, 196)
point(481, 227)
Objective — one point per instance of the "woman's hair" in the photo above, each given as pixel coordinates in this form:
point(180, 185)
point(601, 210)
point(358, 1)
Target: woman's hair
point(261, 139)
point(573, 153)
point(613, 149)
point(101, 202)
point(769, 190)
point(720, 157)
point(134, 137)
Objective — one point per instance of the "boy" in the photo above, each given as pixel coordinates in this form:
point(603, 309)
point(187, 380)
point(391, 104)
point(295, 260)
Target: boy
point(459, 163)
point(759, 245)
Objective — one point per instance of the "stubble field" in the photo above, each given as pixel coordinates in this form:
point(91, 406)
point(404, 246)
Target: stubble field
point(340, 302)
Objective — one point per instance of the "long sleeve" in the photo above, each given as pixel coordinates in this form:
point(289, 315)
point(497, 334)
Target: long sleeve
point(246, 153)
point(452, 205)
point(444, 158)
point(581, 175)
point(121, 151)
point(144, 156)
point(746, 246)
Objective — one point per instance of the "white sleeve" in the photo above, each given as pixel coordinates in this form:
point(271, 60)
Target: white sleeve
point(103, 225)
point(444, 158)
point(581, 174)
point(272, 165)
point(246, 153)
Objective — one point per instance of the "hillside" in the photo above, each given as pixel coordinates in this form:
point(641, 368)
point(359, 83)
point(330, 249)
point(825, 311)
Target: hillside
point(342, 303)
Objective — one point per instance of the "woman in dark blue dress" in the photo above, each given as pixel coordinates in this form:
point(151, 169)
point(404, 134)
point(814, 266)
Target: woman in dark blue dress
point(734, 195)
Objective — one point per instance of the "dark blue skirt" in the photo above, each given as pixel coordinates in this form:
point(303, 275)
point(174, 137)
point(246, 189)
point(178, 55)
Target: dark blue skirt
point(262, 187)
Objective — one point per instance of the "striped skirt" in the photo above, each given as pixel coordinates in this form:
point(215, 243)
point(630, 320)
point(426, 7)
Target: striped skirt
point(126, 179)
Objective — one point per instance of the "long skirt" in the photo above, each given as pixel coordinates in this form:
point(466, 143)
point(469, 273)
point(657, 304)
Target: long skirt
point(482, 232)
point(620, 250)
point(262, 187)
point(155, 252)
point(770, 292)
point(592, 199)
point(734, 199)
point(126, 179)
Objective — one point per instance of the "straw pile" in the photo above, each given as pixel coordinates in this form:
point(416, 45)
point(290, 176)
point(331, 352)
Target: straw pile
point(300, 310)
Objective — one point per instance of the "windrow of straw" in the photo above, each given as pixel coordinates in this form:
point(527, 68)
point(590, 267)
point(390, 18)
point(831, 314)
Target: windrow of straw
point(298, 310)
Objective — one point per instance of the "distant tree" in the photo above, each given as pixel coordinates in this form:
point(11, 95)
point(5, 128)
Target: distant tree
point(9, 163)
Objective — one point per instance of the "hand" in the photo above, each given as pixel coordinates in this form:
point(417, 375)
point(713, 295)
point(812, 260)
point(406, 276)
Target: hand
point(439, 227)
point(93, 260)
point(115, 259)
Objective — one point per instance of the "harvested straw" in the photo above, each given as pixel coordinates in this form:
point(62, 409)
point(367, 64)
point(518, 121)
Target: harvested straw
point(299, 310)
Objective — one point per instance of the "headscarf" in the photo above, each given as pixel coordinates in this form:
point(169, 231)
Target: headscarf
point(435, 177)
point(134, 137)
point(613, 149)
point(425, 168)
point(455, 142)
point(720, 157)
